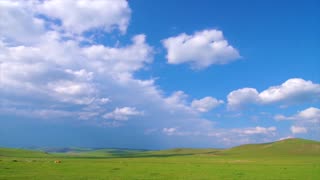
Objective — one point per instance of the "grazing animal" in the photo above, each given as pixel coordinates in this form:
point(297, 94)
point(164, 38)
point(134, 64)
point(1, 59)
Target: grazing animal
point(57, 161)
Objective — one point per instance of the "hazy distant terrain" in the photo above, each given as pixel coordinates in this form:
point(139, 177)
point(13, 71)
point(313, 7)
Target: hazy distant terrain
point(286, 159)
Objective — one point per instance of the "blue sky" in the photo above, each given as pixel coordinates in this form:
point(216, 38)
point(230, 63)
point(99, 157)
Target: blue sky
point(158, 74)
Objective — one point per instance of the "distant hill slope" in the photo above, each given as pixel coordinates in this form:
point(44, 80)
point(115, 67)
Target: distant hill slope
point(288, 147)
point(10, 152)
point(185, 151)
point(294, 146)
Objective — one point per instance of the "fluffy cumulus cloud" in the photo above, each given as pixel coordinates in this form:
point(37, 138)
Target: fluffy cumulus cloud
point(259, 130)
point(292, 91)
point(65, 75)
point(123, 113)
point(126, 59)
point(180, 100)
point(245, 135)
point(232, 133)
point(18, 21)
point(298, 130)
point(201, 49)
point(239, 98)
point(311, 115)
point(205, 104)
point(304, 121)
point(52, 70)
point(84, 15)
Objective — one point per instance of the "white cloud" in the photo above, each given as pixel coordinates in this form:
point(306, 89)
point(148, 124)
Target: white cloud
point(104, 100)
point(284, 138)
point(228, 136)
point(178, 98)
point(293, 91)
point(169, 131)
point(245, 135)
point(65, 75)
point(298, 130)
point(309, 115)
point(53, 77)
point(126, 59)
point(307, 120)
point(72, 91)
point(81, 74)
point(201, 49)
point(241, 97)
point(68, 87)
point(122, 114)
point(78, 16)
point(280, 117)
point(40, 113)
point(64, 68)
point(18, 23)
point(257, 130)
point(205, 104)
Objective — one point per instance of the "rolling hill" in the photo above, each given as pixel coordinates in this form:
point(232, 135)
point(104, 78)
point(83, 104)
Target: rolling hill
point(288, 147)
point(10, 152)
point(287, 159)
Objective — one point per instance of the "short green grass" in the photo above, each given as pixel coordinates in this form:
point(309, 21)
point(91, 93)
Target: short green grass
point(289, 159)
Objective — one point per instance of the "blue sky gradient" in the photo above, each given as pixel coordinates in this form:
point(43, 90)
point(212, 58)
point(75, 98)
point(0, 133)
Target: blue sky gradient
point(99, 74)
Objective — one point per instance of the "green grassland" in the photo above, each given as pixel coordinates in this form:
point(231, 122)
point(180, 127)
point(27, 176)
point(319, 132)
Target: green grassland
point(287, 159)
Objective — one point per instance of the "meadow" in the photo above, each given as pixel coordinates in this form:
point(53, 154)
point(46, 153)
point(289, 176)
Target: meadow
point(287, 159)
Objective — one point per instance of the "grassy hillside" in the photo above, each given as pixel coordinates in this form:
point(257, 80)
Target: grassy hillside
point(287, 159)
point(184, 151)
point(287, 147)
point(106, 153)
point(9, 152)
point(127, 153)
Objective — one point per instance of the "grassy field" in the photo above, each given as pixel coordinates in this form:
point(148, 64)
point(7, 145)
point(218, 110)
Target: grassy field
point(288, 159)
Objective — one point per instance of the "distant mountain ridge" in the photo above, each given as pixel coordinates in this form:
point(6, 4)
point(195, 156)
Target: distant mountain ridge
point(287, 147)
